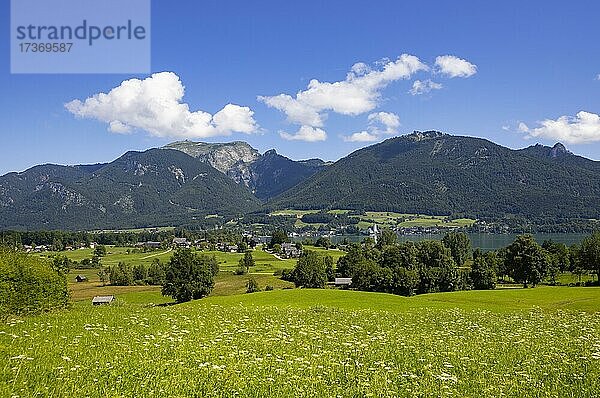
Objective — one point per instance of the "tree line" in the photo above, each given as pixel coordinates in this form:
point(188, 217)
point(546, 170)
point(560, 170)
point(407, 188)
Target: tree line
point(59, 240)
point(448, 265)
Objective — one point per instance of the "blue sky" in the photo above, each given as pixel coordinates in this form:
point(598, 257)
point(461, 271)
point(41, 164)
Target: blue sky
point(531, 64)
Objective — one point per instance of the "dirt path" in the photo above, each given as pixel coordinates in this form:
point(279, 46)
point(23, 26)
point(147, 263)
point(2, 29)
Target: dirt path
point(156, 254)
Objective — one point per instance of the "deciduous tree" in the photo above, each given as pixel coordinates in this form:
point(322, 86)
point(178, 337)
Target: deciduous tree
point(459, 245)
point(482, 274)
point(589, 253)
point(189, 275)
point(310, 271)
point(526, 261)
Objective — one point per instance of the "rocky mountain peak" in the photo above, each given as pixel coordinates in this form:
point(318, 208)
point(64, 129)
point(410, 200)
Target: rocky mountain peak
point(424, 135)
point(221, 156)
point(558, 150)
point(264, 175)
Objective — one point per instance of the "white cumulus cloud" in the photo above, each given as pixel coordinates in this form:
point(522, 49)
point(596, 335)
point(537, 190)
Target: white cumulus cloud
point(358, 93)
point(305, 133)
point(363, 136)
point(581, 128)
point(155, 105)
point(423, 87)
point(454, 67)
point(380, 123)
point(390, 122)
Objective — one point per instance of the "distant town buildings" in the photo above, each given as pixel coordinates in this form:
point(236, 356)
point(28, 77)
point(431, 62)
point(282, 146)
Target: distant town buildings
point(181, 242)
point(373, 232)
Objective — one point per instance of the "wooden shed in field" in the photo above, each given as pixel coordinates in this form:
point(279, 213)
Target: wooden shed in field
point(103, 300)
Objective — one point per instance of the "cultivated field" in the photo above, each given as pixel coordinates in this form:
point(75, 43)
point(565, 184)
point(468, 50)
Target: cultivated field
point(542, 342)
point(226, 282)
point(392, 219)
point(384, 218)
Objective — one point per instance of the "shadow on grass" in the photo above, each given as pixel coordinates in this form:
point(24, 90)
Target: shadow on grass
point(167, 304)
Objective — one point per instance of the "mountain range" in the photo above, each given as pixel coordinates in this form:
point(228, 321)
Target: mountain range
point(435, 173)
point(265, 175)
point(423, 172)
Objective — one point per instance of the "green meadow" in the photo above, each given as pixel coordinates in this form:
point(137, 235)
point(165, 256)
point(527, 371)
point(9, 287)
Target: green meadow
point(542, 342)
point(411, 220)
point(383, 218)
point(510, 342)
point(265, 262)
point(226, 283)
point(115, 254)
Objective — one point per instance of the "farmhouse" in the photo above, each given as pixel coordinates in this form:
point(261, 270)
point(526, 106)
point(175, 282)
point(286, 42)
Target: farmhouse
point(342, 282)
point(181, 242)
point(262, 239)
point(290, 250)
point(226, 247)
point(40, 248)
point(152, 245)
point(103, 300)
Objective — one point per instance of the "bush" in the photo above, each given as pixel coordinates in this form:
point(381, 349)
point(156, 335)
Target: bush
point(121, 274)
point(252, 286)
point(29, 284)
point(88, 263)
point(268, 288)
point(240, 271)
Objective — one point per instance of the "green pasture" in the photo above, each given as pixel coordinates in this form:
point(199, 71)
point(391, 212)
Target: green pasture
point(542, 342)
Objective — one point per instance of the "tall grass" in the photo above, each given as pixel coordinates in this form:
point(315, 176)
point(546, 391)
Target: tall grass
point(274, 344)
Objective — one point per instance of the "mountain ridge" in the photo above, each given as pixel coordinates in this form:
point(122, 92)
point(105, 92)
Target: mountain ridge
point(147, 188)
point(435, 173)
point(424, 172)
point(266, 175)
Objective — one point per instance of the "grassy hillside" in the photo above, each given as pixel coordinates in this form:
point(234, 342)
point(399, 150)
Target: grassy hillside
point(387, 219)
point(514, 343)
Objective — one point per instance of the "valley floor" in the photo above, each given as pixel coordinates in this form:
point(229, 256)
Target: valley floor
point(517, 343)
